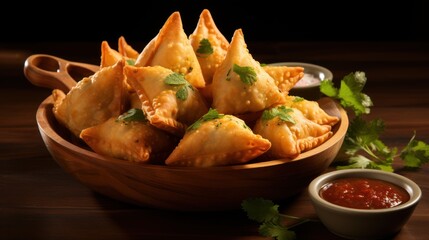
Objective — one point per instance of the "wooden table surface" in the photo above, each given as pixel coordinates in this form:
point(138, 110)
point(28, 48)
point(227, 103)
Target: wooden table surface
point(38, 200)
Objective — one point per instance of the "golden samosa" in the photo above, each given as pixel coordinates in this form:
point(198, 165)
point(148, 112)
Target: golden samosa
point(311, 110)
point(130, 137)
point(126, 49)
point(240, 85)
point(169, 101)
point(210, 46)
point(285, 77)
point(92, 100)
point(171, 49)
point(217, 140)
point(289, 132)
point(109, 56)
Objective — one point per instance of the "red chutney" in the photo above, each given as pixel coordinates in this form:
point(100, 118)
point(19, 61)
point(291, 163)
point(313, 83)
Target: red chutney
point(363, 193)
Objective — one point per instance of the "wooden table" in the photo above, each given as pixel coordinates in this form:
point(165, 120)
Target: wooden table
point(38, 200)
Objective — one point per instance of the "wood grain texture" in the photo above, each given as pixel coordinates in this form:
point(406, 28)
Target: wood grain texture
point(189, 188)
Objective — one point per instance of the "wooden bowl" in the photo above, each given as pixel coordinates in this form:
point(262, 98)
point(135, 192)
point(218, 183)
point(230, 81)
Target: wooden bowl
point(185, 188)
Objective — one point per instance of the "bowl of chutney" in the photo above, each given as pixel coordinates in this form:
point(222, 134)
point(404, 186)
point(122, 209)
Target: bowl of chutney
point(364, 203)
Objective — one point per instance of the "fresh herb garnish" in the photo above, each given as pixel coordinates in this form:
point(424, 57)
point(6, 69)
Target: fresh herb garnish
point(134, 114)
point(350, 92)
point(131, 61)
point(362, 143)
point(177, 79)
point(205, 48)
point(298, 99)
point(210, 115)
point(267, 214)
point(247, 74)
point(282, 112)
point(361, 137)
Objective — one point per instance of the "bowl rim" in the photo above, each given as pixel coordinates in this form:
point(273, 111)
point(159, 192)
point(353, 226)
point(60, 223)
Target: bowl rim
point(45, 126)
point(305, 65)
point(410, 186)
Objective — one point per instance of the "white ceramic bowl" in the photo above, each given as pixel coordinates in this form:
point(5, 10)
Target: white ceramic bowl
point(353, 223)
point(309, 86)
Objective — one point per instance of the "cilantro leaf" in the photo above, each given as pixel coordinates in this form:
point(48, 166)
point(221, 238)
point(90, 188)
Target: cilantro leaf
point(415, 154)
point(177, 79)
point(131, 62)
point(267, 214)
point(362, 143)
point(360, 161)
point(276, 231)
point(247, 74)
point(133, 114)
point(210, 115)
point(350, 92)
point(282, 112)
point(261, 210)
point(205, 48)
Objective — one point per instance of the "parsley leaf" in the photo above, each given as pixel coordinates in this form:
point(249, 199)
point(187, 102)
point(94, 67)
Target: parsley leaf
point(282, 112)
point(261, 210)
point(362, 141)
point(210, 115)
point(415, 154)
point(177, 79)
point(276, 231)
point(247, 74)
point(131, 62)
point(134, 114)
point(350, 92)
point(205, 48)
point(267, 214)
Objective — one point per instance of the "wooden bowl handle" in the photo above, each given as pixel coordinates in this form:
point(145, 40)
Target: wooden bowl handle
point(56, 73)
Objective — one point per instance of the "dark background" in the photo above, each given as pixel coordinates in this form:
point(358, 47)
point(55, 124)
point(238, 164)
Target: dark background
point(260, 20)
point(74, 30)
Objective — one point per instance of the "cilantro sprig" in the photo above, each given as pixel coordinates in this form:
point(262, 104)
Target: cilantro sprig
point(247, 74)
point(133, 114)
point(210, 115)
point(362, 143)
point(177, 79)
point(282, 112)
point(205, 48)
point(271, 221)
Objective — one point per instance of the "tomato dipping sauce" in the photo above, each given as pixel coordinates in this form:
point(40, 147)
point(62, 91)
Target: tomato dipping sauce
point(363, 193)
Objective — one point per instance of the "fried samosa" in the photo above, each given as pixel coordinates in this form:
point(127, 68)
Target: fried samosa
point(285, 77)
point(289, 132)
point(217, 140)
point(109, 56)
point(240, 85)
point(126, 50)
point(210, 46)
point(92, 101)
point(311, 110)
point(171, 49)
point(130, 137)
point(170, 102)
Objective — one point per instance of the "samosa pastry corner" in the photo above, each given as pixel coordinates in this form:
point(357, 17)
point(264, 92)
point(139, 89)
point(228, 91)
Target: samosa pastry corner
point(289, 132)
point(217, 140)
point(240, 84)
point(130, 137)
point(169, 100)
